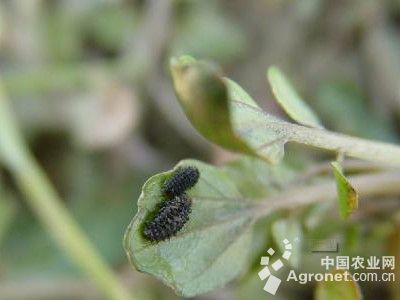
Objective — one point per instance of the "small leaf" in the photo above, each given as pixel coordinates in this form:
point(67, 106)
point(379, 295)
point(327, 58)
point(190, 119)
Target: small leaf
point(290, 100)
point(347, 195)
point(213, 246)
point(338, 289)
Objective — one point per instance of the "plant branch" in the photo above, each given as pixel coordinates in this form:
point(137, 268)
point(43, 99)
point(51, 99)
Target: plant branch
point(45, 202)
point(351, 146)
point(374, 151)
point(381, 184)
point(349, 166)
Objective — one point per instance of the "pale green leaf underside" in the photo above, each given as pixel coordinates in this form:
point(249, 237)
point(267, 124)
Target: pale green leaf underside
point(249, 122)
point(289, 99)
point(347, 195)
point(213, 246)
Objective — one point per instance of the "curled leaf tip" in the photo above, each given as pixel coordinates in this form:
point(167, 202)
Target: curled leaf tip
point(347, 194)
point(182, 60)
point(203, 95)
point(223, 112)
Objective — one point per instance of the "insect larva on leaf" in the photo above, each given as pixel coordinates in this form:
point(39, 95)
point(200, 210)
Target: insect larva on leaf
point(171, 217)
point(183, 179)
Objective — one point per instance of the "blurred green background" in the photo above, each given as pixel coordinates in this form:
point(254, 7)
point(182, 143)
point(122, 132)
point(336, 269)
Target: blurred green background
point(89, 85)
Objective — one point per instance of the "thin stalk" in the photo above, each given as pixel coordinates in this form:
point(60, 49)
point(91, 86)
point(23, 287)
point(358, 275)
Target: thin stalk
point(373, 151)
point(380, 184)
point(45, 202)
point(350, 166)
point(351, 146)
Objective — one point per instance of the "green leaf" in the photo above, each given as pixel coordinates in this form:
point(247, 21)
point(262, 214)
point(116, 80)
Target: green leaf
point(249, 123)
point(290, 100)
point(347, 195)
point(213, 247)
point(204, 98)
point(338, 289)
point(256, 179)
point(222, 111)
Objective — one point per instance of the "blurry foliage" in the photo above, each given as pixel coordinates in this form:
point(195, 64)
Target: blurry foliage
point(71, 70)
point(344, 108)
point(338, 290)
point(200, 30)
point(7, 213)
point(101, 205)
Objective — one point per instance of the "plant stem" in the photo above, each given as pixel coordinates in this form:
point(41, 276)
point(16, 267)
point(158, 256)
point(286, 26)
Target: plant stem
point(374, 151)
point(350, 146)
point(44, 201)
point(381, 184)
point(350, 166)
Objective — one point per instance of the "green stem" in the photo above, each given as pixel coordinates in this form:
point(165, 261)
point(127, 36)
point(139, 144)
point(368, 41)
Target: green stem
point(47, 205)
point(350, 146)
point(371, 185)
point(373, 151)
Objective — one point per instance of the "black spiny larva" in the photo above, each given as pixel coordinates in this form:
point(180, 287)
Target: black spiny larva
point(183, 179)
point(171, 217)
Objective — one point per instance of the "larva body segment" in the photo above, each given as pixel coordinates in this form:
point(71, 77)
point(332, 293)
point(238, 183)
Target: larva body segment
point(183, 179)
point(171, 217)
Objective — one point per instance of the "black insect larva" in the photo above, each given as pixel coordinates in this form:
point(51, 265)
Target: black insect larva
point(183, 179)
point(171, 217)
